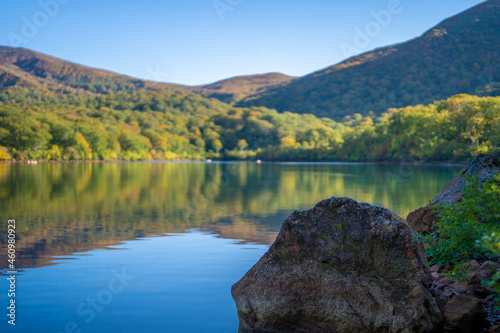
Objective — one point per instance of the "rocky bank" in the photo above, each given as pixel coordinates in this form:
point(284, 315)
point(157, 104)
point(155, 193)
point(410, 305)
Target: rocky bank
point(483, 166)
point(346, 267)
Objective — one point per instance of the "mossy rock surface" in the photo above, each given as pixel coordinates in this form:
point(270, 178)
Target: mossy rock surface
point(366, 276)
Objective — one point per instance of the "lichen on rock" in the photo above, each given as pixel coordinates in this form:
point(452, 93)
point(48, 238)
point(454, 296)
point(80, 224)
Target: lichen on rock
point(342, 266)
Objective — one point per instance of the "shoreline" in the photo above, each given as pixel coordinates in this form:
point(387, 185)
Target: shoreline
point(389, 163)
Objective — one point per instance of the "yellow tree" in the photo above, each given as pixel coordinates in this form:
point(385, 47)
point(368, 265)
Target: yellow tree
point(4, 154)
point(287, 143)
point(83, 147)
point(242, 145)
point(217, 145)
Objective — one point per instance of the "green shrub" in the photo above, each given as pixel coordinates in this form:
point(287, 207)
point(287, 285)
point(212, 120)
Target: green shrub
point(463, 226)
point(492, 243)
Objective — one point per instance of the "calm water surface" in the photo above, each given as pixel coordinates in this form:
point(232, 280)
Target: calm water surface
point(155, 247)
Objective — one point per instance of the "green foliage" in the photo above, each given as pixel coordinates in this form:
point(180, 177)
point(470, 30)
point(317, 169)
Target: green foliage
point(460, 55)
point(462, 227)
point(55, 110)
point(36, 125)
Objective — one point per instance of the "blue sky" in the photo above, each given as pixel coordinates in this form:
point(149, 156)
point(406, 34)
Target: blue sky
point(202, 41)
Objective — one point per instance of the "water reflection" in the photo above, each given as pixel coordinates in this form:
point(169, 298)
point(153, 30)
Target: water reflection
point(63, 208)
point(176, 283)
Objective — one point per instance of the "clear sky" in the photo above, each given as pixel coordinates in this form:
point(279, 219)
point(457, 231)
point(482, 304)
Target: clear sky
point(202, 41)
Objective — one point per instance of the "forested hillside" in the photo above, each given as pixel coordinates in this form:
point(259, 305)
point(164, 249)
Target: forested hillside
point(23, 67)
point(162, 125)
point(460, 55)
point(51, 109)
point(235, 89)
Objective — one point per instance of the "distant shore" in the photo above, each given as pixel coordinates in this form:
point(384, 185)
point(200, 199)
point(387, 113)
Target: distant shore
point(393, 163)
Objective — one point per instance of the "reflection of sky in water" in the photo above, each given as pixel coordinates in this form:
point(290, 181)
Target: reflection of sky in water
point(181, 283)
point(78, 221)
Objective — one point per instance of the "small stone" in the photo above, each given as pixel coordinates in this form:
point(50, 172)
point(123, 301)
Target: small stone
point(435, 268)
point(474, 265)
point(448, 292)
point(486, 270)
point(465, 314)
point(444, 280)
point(461, 287)
point(488, 264)
point(470, 292)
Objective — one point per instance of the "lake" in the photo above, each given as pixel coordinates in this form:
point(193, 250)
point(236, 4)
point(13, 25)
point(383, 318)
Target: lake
point(155, 247)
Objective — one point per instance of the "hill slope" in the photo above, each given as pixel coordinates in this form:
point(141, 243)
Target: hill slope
point(23, 67)
point(460, 55)
point(234, 89)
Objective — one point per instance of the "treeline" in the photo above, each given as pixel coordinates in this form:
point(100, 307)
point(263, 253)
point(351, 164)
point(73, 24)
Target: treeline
point(148, 125)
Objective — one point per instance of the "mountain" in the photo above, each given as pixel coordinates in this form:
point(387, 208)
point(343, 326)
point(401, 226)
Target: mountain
point(23, 67)
point(459, 55)
point(234, 89)
point(51, 109)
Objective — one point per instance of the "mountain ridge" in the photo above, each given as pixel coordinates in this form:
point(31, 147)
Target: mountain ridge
point(326, 93)
point(232, 89)
point(38, 66)
point(32, 68)
point(459, 55)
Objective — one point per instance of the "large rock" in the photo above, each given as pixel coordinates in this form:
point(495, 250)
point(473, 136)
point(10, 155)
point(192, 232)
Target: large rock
point(340, 267)
point(483, 166)
point(465, 314)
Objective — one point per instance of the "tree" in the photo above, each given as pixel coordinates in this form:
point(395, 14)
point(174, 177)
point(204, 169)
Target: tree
point(83, 147)
point(287, 143)
point(4, 154)
point(242, 145)
point(217, 145)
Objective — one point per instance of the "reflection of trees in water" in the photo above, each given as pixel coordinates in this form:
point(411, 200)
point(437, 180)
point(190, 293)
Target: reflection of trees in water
point(63, 208)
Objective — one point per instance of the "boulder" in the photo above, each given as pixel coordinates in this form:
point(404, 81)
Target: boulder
point(483, 166)
point(342, 266)
point(465, 314)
